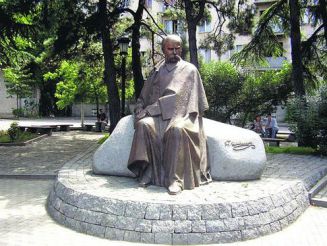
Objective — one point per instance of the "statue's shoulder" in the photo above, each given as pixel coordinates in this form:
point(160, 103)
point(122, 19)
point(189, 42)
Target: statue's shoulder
point(156, 68)
point(189, 66)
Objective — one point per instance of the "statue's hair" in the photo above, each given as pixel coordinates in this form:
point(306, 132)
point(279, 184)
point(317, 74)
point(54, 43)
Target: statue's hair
point(171, 37)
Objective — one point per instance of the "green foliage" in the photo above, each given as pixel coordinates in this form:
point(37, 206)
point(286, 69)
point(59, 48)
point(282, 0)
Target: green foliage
point(233, 95)
point(67, 86)
point(290, 150)
point(222, 83)
point(277, 19)
point(308, 119)
point(18, 112)
point(17, 25)
point(18, 81)
point(13, 131)
point(22, 137)
point(78, 81)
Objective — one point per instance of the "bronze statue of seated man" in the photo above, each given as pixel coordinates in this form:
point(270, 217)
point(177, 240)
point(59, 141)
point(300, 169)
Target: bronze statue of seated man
point(169, 145)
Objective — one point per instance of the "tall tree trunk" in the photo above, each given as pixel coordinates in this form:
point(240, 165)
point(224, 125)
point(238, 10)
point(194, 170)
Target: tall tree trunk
point(136, 57)
point(109, 67)
point(192, 44)
point(297, 71)
point(192, 21)
point(297, 67)
point(97, 104)
point(323, 9)
point(82, 114)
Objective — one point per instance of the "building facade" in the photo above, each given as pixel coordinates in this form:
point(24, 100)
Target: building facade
point(7, 103)
point(158, 7)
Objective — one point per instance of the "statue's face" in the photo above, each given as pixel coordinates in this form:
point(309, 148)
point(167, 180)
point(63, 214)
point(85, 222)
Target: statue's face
point(172, 51)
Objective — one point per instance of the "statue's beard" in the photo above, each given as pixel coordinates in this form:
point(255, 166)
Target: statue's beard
point(173, 59)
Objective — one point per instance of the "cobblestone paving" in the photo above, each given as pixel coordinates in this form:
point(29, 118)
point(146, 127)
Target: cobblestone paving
point(47, 156)
point(24, 221)
point(116, 208)
point(281, 172)
point(322, 194)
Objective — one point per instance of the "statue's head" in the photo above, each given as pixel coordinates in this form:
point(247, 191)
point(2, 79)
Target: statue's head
point(172, 48)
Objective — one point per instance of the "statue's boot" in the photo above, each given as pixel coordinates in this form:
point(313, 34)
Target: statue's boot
point(145, 178)
point(174, 188)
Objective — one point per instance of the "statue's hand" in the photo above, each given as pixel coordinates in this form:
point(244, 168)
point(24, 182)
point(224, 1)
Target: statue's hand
point(140, 115)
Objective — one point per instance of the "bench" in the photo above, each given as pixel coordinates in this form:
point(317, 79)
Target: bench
point(98, 126)
point(88, 127)
point(38, 129)
point(281, 136)
point(289, 136)
point(275, 140)
point(62, 127)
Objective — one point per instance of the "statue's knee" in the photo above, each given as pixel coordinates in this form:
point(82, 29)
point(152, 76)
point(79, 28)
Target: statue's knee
point(145, 122)
point(176, 129)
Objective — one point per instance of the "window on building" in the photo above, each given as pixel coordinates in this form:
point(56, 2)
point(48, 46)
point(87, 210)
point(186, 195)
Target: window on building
point(236, 49)
point(125, 3)
point(205, 27)
point(270, 54)
point(239, 47)
point(166, 4)
point(171, 26)
point(206, 54)
point(148, 4)
point(306, 17)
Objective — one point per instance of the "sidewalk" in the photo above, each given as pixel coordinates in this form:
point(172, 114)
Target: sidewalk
point(46, 156)
point(75, 121)
point(24, 219)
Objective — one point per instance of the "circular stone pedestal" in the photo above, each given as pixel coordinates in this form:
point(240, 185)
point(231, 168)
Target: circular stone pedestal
point(116, 208)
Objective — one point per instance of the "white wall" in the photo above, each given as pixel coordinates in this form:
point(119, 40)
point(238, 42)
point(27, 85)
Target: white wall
point(6, 104)
point(89, 109)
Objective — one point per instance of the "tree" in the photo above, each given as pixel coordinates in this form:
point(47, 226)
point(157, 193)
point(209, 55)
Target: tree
point(197, 11)
point(235, 97)
point(17, 23)
point(136, 56)
point(18, 83)
point(78, 82)
point(80, 23)
point(109, 65)
point(264, 41)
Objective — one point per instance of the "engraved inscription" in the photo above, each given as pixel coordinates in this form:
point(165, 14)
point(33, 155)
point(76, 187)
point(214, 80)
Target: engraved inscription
point(239, 146)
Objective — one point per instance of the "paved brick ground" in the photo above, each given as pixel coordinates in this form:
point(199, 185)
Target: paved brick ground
point(24, 219)
point(46, 156)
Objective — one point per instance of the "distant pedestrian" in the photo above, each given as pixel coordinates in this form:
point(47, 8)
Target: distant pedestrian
point(102, 117)
point(271, 127)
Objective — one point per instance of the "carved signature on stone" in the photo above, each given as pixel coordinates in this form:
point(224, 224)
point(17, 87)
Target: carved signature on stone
point(240, 145)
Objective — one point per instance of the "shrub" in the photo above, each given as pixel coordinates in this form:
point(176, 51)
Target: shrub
point(13, 131)
point(308, 119)
point(18, 112)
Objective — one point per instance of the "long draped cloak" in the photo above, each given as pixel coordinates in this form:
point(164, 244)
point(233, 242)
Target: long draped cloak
point(169, 142)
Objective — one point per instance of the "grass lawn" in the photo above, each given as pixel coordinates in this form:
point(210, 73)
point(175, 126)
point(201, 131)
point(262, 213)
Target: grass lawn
point(103, 139)
point(24, 136)
point(290, 150)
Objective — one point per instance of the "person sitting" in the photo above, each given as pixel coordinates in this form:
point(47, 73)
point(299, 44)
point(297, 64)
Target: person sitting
point(102, 117)
point(271, 127)
point(257, 126)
